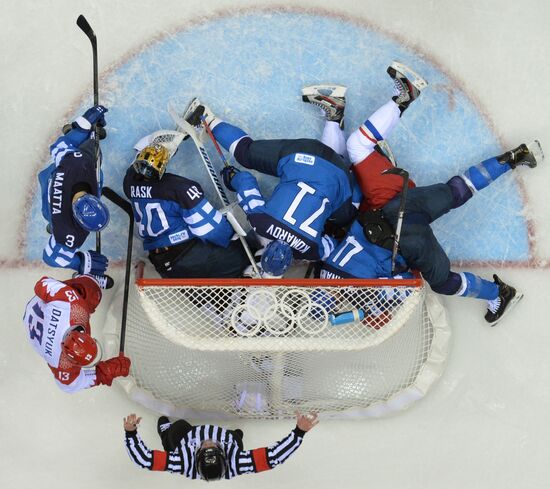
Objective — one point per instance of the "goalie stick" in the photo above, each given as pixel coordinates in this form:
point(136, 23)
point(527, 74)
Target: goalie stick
point(187, 128)
point(126, 207)
point(84, 25)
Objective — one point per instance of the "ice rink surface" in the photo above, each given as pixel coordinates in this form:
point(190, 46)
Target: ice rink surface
point(484, 424)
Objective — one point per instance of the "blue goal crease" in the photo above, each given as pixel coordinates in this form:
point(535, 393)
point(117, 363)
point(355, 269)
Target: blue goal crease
point(252, 75)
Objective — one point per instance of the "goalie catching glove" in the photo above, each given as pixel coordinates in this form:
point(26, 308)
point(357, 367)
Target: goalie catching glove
point(111, 369)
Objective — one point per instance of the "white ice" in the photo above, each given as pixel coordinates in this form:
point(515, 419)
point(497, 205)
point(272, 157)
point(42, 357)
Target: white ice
point(484, 425)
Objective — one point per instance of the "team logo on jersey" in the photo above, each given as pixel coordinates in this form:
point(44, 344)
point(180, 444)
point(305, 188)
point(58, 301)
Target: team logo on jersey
point(179, 237)
point(52, 286)
point(304, 159)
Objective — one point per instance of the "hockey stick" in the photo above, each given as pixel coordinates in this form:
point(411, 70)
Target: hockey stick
point(187, 128)
point(405, 175)
point(126, 207)
point(90, 34)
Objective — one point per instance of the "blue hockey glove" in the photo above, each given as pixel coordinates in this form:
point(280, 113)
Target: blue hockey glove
point(94, 115)
point(92, 263)
point(227, 174)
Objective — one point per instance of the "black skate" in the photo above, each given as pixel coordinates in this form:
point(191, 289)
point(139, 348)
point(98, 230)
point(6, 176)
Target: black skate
point(331, 99)
point(408, 84)
point(196, 112)
point(104, 281)
point(163, 424)
point(524, 155)
point(507, 298)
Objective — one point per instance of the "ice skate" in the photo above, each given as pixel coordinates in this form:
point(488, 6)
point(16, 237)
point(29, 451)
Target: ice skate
point(163, 424)
point(524, 155)
point(507, 298)
point(197, 112)
point(408, 84)
point(104, 281)
point(331, 99)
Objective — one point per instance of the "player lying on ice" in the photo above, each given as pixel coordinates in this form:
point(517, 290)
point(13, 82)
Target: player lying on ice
point(366, 251)
point(209, 452)
point(183, 233)
point(58, 323)
point(314, 187)
point(70, 201)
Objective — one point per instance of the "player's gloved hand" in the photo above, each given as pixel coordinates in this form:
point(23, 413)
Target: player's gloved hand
point(92, 263)
point(94, 115)
point(227, 174)
point(110, 369)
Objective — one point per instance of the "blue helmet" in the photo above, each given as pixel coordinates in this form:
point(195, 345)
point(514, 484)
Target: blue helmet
point(276, 258)
point(90, 213)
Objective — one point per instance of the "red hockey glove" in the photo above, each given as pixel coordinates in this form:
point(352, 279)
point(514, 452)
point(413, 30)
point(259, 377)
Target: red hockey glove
point(110, 369)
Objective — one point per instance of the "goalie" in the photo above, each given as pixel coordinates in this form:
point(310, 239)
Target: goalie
point(182, 231)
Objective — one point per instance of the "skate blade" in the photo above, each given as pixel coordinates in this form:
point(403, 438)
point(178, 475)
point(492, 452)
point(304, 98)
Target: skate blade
point(326, 90)
point(512, 304)
point(535, 149)
point(385, 147)
point(419, 82)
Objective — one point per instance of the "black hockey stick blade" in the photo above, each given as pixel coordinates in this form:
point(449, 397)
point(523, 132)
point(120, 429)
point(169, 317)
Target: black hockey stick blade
point(126, 207)
point(86, 28)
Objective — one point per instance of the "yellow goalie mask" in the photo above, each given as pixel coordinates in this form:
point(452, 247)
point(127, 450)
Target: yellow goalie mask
point(151, 161)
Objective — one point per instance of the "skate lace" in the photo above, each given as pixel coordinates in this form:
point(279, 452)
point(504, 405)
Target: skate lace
point(400, 89)
point(494, 305)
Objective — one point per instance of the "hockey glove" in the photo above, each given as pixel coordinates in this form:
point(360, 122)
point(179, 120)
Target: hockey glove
point(94, 115)
point(227, 174)
point(111, 369)
point(92, 263)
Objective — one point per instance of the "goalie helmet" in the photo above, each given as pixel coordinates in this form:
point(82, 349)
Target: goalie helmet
point(210, 463)
point(80, 348)
point(90, 213)
point(151, 161)
point(276, 258)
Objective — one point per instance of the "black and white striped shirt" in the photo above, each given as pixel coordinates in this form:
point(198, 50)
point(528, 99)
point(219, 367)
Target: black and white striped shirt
point(239, 462)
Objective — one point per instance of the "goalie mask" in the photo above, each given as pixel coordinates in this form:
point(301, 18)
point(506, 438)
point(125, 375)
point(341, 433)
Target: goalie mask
point(276, 258)
point(151, 161)
point(210, 463)
point(80, 348)
point(90, 213)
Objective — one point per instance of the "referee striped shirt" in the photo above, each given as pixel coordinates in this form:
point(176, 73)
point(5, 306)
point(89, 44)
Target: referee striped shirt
point(238, 462)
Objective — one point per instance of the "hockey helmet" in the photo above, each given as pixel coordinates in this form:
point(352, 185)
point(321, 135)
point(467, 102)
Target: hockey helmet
point(210, 463)
point(90, 213)
point(80, 348)
point(276, 258)
point(151, 161)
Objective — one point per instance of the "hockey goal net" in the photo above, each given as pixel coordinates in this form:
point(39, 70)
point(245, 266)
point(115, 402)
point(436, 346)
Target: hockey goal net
point(266, 348)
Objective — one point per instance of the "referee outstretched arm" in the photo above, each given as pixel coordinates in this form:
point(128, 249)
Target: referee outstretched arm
point(223, 448)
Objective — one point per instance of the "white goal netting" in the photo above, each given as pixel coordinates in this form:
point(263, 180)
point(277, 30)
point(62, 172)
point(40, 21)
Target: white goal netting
point(265, 348)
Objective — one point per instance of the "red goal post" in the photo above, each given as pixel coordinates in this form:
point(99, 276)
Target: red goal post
point(263, 348)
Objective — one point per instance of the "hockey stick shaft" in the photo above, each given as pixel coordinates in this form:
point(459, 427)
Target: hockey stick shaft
point(401, 214)
point(189, 129)
point(214, 141)
point(126, 207)
point(84, 25)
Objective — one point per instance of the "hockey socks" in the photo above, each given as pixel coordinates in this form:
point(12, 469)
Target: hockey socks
point(480, 176)
point(228, 135)
point(477, 287)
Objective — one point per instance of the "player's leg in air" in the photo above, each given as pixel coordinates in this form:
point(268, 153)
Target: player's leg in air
point(366, 145)
point(421, 249)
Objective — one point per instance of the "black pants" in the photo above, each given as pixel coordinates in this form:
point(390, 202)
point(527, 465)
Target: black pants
point(171, 438)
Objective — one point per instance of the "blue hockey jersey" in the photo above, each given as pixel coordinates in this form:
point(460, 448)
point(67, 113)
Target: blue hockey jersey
point(173, 210)
point(309, 191)
point(72, 170)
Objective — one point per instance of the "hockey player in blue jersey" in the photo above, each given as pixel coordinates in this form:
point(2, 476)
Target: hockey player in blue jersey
point(183, 233)
point(314, 187)
point(366, 251)
point(70, 202)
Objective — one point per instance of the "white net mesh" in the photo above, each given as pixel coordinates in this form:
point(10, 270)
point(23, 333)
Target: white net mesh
point(263, 349)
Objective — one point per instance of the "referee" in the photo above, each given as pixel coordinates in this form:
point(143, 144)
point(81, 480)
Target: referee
point(210, 452)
